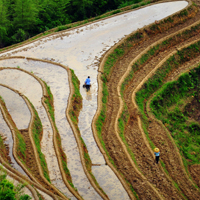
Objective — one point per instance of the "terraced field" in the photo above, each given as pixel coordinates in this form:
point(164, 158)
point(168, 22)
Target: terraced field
point(66, 143)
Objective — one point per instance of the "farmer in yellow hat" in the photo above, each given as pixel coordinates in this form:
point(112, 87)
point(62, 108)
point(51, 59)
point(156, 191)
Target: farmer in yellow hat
point(157, 154)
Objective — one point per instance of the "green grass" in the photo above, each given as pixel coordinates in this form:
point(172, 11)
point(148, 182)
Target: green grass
point(37, 135)
point(49, 102)
point(132, 189)
point(156, 49)
point(9, 191)
point(185, 133)
point(21, 147)
point(2, 99)
point(112, 59)
point(156, 81)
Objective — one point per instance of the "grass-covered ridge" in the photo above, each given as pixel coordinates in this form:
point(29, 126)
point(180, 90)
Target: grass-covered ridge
point(37, 132)
point(157, 80)
point(176, 39)
point(174, 105)
point(4, 151)
point(122, 121)
point(119, 52)
point(50, 105)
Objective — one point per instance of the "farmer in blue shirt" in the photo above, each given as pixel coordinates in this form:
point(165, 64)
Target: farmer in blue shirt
point(157, 154)
point(87, 84)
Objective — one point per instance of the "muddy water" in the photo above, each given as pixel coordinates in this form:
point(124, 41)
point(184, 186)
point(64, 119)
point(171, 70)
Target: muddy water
point(28, 86)
point(5, 132)
point(81, 49)
point(16, 107)
point(57, 78)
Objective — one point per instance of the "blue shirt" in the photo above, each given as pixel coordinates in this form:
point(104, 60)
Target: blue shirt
point(157, 154)
point(87, 81)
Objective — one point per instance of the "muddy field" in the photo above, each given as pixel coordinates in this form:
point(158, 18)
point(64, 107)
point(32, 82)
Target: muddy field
point(67, 143)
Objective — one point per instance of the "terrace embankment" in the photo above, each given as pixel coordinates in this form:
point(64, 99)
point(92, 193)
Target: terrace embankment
point(156, 177)
point(4, 150)
point(136, 140)
point(25, 152)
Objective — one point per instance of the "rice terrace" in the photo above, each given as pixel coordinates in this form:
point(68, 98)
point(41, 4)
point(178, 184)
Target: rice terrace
point(61, 141)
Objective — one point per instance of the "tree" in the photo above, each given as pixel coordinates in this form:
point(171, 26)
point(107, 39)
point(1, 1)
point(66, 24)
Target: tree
point(81, 9)
point(4, 22)
point(3, 13)
point(61, 10)
point(25, 14)
point(8, 191)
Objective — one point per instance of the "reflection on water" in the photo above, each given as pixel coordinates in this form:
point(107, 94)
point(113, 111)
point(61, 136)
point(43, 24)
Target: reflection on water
point(88, 95)
point(5, 132)
point(16, 107)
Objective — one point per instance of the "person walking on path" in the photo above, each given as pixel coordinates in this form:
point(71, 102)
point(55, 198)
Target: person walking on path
point(87, 83)
point(157, 155)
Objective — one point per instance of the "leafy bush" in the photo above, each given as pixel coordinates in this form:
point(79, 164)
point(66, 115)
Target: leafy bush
point(8, 191)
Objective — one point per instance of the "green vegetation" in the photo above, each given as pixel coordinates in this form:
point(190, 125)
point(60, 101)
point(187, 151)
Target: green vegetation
point(37, 135)
point(171, 107)
point(157, 80)
point(21, 147)
point(22, 19)
point(121, 51)
point(49, 101)
point(159, 48)
point(2, 99)
point(8, 191)
point(153, 84)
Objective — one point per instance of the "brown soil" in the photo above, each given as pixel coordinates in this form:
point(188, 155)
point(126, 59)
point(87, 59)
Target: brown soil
point(4, 151)
point(30, 162)
point(145, 160)
point(195, 173)
point(193, 108)
point(135, 139)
